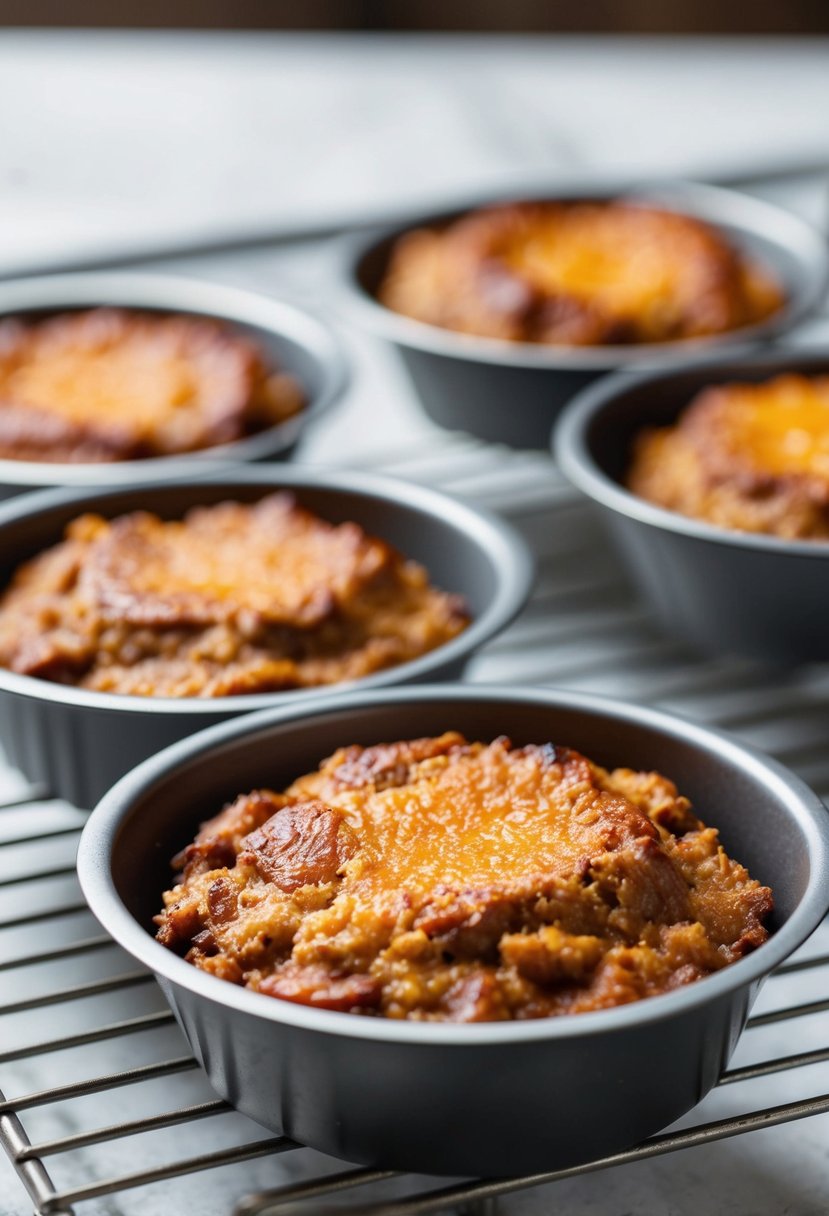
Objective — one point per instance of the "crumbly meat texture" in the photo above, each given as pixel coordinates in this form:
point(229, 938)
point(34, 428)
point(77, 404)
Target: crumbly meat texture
point(232, 599)
point(442, 880)
point(578, 274)
point(110, 384)
point(754, 457)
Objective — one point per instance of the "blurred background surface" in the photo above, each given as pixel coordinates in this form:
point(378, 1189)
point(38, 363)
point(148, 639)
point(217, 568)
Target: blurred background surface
point(608, 16)
point(125, 141)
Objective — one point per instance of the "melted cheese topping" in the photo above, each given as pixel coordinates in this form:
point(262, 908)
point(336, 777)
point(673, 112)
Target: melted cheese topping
point(593, 255)
point(780, 427)
point(471, 820)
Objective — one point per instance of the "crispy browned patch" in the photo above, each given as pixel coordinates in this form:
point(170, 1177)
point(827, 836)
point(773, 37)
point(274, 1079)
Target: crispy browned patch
point(389, 763)
point(307, 843)
point(219, 839)
point(321, 989)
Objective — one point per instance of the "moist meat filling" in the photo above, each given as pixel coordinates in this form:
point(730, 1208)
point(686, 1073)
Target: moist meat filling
point(438, 879)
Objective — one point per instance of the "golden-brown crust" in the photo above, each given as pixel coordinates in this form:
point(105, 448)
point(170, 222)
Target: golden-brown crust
point(111, 384)
point(577, 274)
point(754, 457)
point(437, 879)
point(272, 563)
point(233, 599)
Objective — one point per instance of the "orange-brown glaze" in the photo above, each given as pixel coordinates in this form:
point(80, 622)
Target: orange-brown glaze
point(232, 599)
point(578, 274)
point(110, 384)
point(272, 563)
point(498, 817)
point(748, 456)
point(447, 880)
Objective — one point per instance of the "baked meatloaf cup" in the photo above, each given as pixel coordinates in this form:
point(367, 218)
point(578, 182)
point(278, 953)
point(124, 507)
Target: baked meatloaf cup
point(750, 456)
point(109, 378)
point(111, 384)
point(439, 879)
point(519, 1095)
point(233, 598)
point(501, 311)
point(579, 273)
point(131, 618)
point(713, 482)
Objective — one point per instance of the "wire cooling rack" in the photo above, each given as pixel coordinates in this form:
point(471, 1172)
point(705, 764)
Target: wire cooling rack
point(105, 1108)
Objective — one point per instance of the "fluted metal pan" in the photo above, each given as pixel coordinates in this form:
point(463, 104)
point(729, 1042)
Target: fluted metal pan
point(76, 742)
point(723, 590)
point(511, 392)
point(290, 338)
point(492, 1098)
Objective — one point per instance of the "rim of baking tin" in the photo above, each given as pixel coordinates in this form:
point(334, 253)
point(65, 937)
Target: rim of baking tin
point(503, 546)
point(572, 451)
point(197, 297)
point(737, 213)
point(800, 803)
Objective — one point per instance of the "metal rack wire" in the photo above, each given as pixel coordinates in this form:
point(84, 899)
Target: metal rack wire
point(132, 1095)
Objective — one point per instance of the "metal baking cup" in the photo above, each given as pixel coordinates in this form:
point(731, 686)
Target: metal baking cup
point(511, 392)
point(721, 589)
point(492, 1098)
point(289, 338)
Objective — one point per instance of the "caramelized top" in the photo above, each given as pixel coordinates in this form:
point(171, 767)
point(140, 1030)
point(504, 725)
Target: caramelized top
point(619, 258)
point(269, 562)
point(778, 428)
point(452, 814)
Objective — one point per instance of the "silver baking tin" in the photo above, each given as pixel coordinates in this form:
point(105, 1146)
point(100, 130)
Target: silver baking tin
point(512, 391)
point(723, 590)
point(492, 1098)
point(293, 339)
point(76, 742)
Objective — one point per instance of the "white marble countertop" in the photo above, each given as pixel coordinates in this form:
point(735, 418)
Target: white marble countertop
point(129, 142)
point(124, 140)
